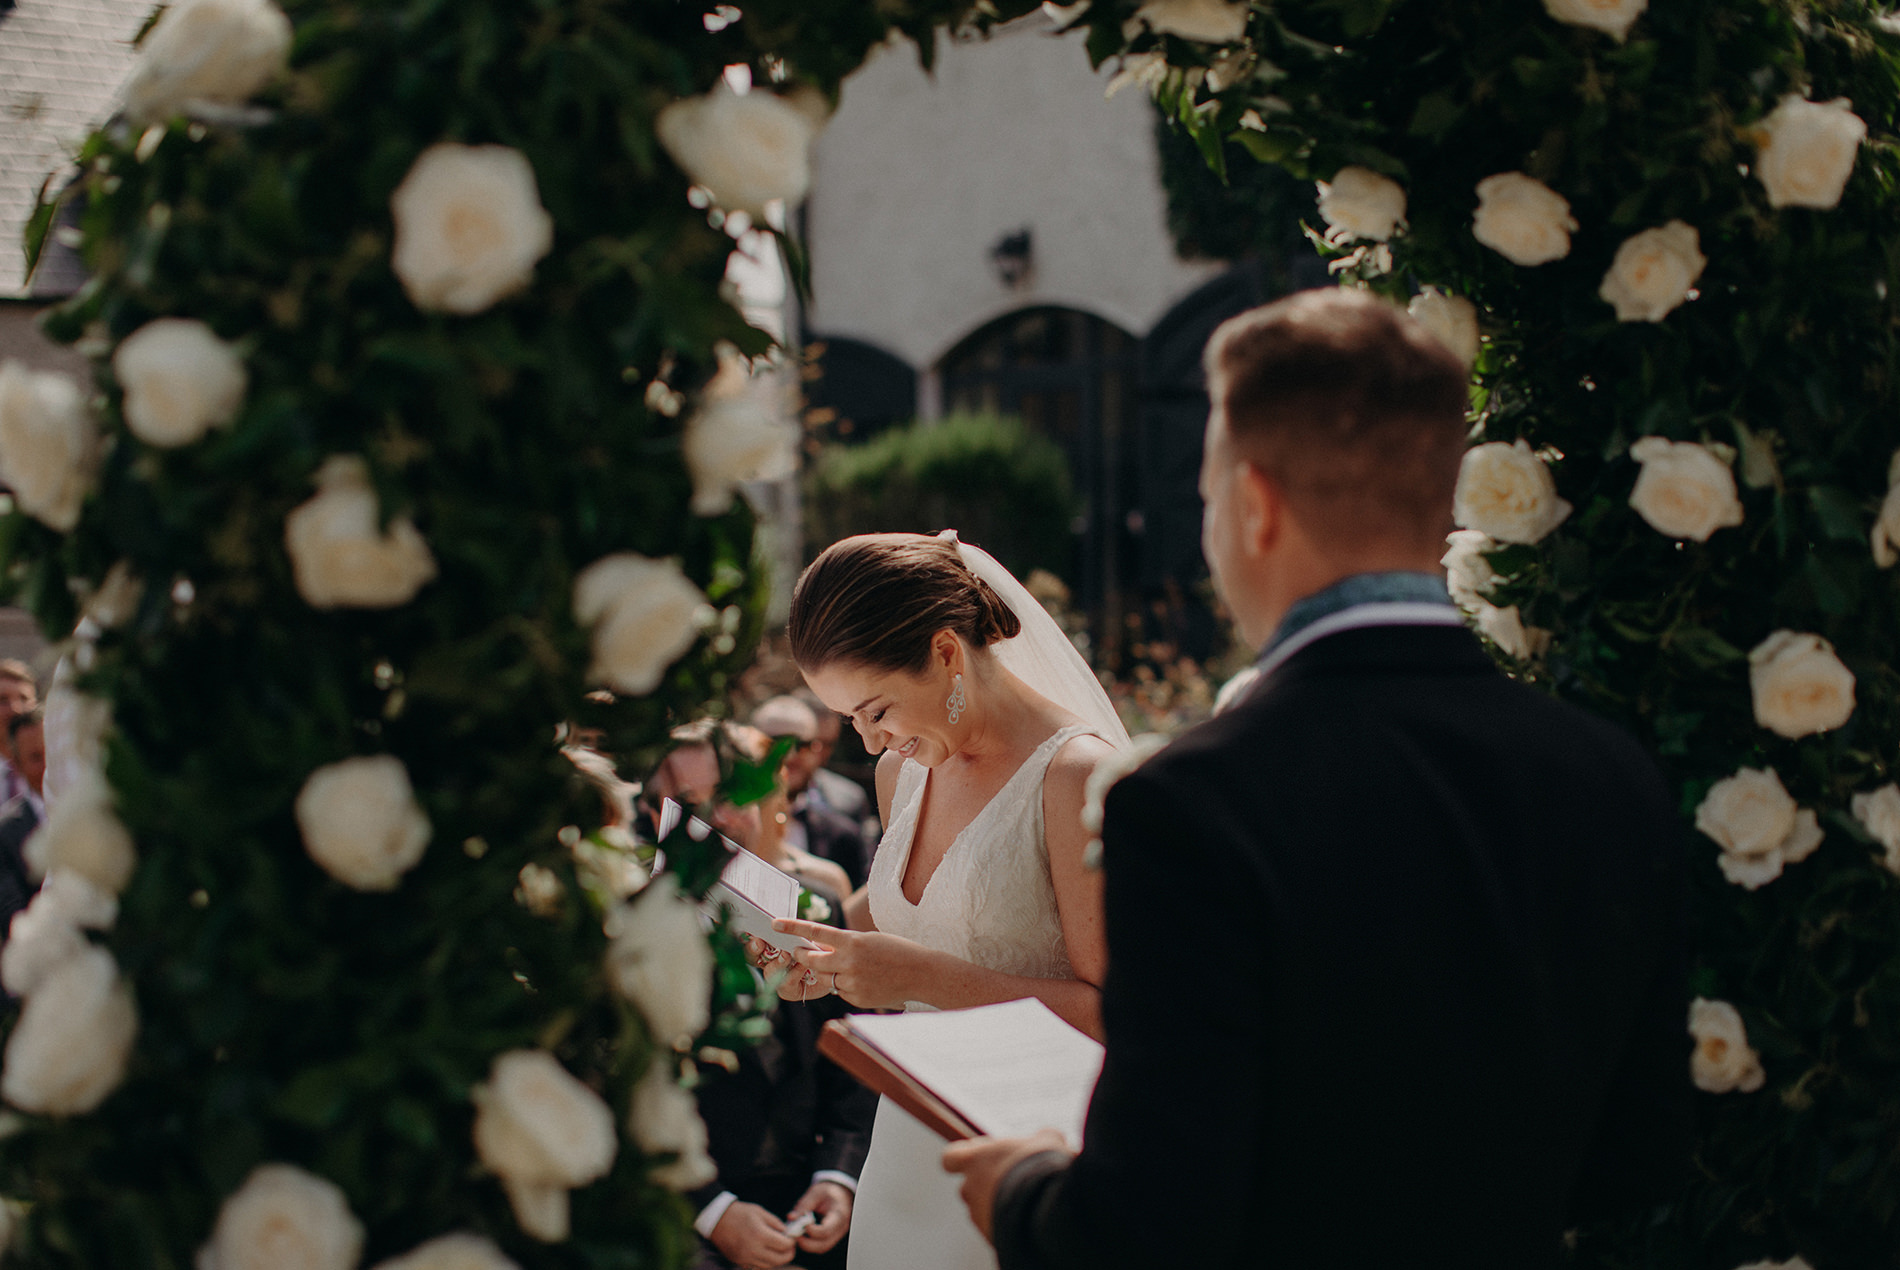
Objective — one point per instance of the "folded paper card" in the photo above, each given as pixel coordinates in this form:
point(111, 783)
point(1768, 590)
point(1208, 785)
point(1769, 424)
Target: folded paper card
point(749, 889)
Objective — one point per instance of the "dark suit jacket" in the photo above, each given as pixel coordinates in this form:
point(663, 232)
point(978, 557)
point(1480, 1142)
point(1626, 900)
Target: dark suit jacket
point(832, 835)
point(1396, 976)
point(17, 823)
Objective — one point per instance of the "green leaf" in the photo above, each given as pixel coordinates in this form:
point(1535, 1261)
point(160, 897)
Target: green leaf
point(1434, 116)
point(748, 782)
point(1837, 512)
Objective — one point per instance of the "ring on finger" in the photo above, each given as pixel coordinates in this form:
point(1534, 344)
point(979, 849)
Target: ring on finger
point(834, 987)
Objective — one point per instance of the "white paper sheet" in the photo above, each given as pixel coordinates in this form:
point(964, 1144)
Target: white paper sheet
point(1009, 1069)
point(750, 889)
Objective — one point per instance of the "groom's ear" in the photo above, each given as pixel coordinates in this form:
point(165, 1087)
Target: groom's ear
point(1261, 510)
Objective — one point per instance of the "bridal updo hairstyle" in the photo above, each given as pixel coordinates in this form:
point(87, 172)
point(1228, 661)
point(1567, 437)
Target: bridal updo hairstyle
point(877, 600)
point(1351, 406)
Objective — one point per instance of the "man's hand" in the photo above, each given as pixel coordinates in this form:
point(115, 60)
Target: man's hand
point(751, 1238)
point(832, 1205)
point(984, 1162)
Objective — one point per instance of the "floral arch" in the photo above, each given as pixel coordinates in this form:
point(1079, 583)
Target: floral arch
point(342, 941)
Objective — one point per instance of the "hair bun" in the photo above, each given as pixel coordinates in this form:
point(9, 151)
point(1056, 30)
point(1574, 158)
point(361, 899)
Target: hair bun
point(995, 619)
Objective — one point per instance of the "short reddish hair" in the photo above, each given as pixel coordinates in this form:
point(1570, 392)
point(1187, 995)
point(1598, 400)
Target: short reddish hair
point(1351, 407)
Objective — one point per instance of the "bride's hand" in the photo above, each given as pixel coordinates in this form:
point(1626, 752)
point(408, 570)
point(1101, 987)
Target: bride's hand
point(869, 969)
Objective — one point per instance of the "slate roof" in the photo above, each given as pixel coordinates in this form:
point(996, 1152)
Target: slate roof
point(61, 65)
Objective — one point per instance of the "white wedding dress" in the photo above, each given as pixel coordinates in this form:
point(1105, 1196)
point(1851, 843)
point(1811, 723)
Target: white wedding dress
point(991, 902)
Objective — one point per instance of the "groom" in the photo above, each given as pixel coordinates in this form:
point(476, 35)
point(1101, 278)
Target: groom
point(1396, 944)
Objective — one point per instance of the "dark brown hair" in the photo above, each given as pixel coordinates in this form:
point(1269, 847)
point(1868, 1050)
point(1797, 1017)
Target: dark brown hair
point(878, 599)
point(1352, 407)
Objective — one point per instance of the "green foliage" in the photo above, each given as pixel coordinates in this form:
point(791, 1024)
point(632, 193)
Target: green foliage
point(1791, 344)
point(991, 479)
point(1255, 211)
point(285, 1017)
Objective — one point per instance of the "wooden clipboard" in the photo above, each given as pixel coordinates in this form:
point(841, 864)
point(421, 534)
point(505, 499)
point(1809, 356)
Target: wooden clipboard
point(869, 1066)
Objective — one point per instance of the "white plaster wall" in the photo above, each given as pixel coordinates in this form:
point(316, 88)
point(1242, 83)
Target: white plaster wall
point(917, 177)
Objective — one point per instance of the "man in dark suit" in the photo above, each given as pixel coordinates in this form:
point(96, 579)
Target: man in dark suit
point(22, 814)
point(1396, 944)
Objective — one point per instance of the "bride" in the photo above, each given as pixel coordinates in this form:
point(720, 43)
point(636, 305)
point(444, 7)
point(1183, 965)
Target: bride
point(989, 724)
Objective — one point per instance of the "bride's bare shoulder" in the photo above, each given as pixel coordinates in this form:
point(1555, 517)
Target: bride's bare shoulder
point(1071, 767)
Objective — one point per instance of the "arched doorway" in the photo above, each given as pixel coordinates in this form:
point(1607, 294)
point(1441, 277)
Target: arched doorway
point(1069, 376)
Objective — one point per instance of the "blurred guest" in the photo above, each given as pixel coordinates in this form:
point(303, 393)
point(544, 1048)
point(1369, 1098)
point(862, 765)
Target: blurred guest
point(689, 775)
point(840, 793)
point(21, 815)
point(19, 693)
point(815, 825)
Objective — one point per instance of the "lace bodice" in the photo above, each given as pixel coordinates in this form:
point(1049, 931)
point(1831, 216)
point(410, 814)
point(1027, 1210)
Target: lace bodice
point(991, 900)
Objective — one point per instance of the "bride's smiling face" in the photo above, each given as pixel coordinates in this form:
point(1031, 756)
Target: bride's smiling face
point(893, 709)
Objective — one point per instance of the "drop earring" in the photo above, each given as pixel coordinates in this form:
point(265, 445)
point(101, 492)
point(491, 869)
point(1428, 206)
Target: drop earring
point(957, 702)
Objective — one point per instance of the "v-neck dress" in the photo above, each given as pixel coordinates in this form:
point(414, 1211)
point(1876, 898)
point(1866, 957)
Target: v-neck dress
point(991, 902)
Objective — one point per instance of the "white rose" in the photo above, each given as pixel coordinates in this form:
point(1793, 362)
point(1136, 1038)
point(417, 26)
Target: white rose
point(1505, 627)
point(84, 834)
point(1506, 491)
point(734, 437)
point(1469, 577)
point(340, 558)
point(1204, 21)
point(469, 227)
point(1805, 151)
point(361, 823)
point(1886, 533)
point(1523, 220)
point(659, 960)
point(541, 1131)
point(1792, 1263)
point(283, 1218)
point(1800, 687)
point(180, 381)
point(1452, 321)
point(1879, 814)
point(664, 1120)
point(48, 443)
point(749, 149)
point(116, 598)
point(459, 1251)
point(48, 930)
point(1723, 1060)
point(1753, 818)
point(1684, 489)
point(1359, 203)
point(1653, 272)
point(218, 51)
point(70, 1046)
point(1613, 16)
point(644, 614)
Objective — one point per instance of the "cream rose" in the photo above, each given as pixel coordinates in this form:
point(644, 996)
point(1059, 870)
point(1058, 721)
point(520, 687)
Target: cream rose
point(1469, 577)
point(283, 1218)
point(750, 149)
point(49, 930)
point(1684, 490)
point(180, 381)
point(48, 444)
point(664, 1120)
point(541, 1132)
point(1805, 151)
point(1505, 627)
point(644, 614)
point(1723, 1060)
point(470, 227)
point(1800, 687)
point(1204, 21)
point(1878, 813)
point(733, 437)
point(83, 833)
point(1523, 220)
point(213, 51)
point(1359, 203)
point(1886, 534)
point(1653, 272)
point(1506, 491)
point(658, 958)
point(361, 823)
point(1452, 321)
point(1611, 16)
point(1792, 1263)
point(1753, 818)
point(339, 556)
point(459, 1251)
point(69, 1049)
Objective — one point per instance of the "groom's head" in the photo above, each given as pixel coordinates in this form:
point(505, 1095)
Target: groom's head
point(1333, 444)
